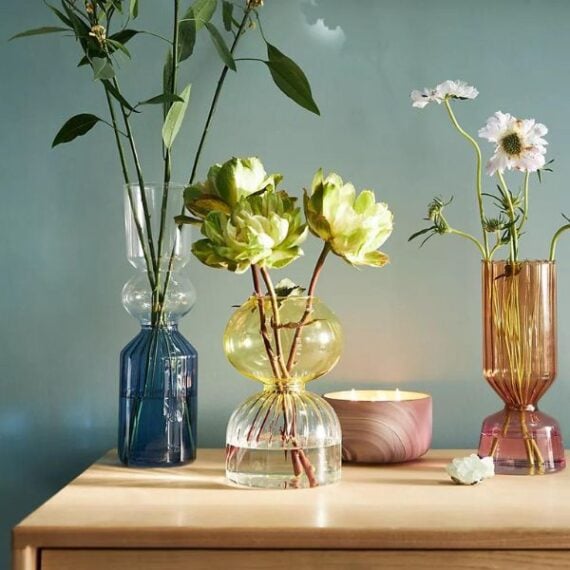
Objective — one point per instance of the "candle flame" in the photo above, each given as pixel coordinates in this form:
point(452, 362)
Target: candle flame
point(353, 395)
point(398, 395)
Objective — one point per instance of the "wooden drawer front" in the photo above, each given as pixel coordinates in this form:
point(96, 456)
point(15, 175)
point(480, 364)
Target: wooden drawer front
point(303, 559)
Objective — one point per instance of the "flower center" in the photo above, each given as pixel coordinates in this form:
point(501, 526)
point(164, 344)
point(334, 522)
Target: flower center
point(512, 144)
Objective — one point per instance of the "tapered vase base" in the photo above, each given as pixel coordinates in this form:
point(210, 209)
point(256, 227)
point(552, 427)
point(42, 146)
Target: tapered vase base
point(522, 443)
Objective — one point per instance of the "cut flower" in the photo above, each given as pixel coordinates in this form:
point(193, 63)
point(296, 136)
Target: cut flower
point(264, 229)
point(353, 227)
point(226, 184)
point(518, 143)
point(470, 470)
point(446, 90)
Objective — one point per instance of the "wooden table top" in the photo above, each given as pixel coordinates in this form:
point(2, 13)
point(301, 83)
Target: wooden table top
point(405, 506)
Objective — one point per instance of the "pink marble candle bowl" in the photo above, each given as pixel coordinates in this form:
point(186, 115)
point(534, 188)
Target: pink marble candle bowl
point(383, 426)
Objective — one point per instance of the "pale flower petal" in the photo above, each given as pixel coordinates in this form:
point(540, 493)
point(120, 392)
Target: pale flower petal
point(518, 143)
point(446, 90)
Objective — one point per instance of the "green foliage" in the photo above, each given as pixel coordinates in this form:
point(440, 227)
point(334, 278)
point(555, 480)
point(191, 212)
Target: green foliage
point(39, 31)
point(186, 35)
point(203, 11)
point(162, 98)
point(174, 118)
point(227, 14)
point(134, 9)
point(290, 79)
point(221, 46)
point(102, 68)
point(75, 127)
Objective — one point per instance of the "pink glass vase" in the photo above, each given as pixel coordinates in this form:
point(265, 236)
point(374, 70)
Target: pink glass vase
point(519, 361)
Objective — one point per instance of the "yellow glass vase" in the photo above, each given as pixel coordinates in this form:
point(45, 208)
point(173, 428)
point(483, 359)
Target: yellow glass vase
point(284, 436)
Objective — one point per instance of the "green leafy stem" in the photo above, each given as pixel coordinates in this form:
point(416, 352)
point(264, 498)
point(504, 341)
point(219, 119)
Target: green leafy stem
point(91, 24)
point(513, 209)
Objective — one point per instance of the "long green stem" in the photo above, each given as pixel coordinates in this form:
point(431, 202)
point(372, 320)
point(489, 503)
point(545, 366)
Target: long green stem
point(217, 95)
point(514, 241)
point(167, 155)
point(526, 204)
point(555, 239)
point(124, 168)
point(479, 186)
point(144, 202)
point(470, 238)
point(262, 322)
point(309, 306)
point(276, 321)
point(203, 138)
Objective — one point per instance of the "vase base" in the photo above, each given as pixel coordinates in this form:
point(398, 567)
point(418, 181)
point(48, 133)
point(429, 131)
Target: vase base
point(264, 468)
point(522, 443)
point(149, 464)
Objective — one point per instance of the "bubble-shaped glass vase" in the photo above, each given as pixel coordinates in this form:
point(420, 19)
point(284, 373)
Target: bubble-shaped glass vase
point(158, 383)
point(283, 437)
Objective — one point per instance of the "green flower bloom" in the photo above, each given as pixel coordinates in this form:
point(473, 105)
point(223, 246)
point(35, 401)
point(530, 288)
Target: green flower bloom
point(264, 229)
point(227, 184)
point(354, 227)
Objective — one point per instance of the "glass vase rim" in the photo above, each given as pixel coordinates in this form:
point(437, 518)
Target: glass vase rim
point(519, 261)
point(152, 185)
point(281, 299)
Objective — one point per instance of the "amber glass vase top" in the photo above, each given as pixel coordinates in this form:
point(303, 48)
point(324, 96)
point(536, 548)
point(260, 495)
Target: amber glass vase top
point(519, 362)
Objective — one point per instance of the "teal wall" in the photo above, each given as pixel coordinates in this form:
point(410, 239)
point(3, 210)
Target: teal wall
point(414, 324)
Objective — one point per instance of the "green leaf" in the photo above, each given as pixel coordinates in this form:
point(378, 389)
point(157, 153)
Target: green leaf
point(124, 35)
point(39, 31)
point(187, 220)
point(206, 203)
point(290, 79)
point(117, 95)
point(119, 46)
point(203, 11)
point(227, 13)
point(60, 15)
point(79, 25)
point(167, 80)
point(186, 35)
point(174, 118)
point(75, 127)
point(162, 98)
point(134, 9)
point(102, 68)
point(221, 46)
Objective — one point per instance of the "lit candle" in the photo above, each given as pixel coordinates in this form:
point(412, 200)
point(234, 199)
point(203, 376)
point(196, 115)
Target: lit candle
point(383, 426)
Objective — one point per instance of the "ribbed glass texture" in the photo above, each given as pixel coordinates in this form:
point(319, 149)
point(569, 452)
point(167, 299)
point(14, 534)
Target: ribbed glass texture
point(283, 437)
point(159, 367)
point(158, 401)
point(520, 362)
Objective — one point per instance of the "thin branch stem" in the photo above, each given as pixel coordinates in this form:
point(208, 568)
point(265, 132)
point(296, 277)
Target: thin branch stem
point(276, 321)
point(526, 204)
point(555, 239)
point(479, 190)
point(216, 97)
point(309, 306)
point(470, 238)
point(168, 156)
point(263, 323)
point(513, 229)
point(124, 168)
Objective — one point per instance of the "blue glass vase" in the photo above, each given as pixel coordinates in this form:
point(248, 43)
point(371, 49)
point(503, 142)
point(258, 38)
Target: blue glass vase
point(159, 367)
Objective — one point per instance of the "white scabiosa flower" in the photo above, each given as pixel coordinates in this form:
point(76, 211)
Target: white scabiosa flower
point(518, 143)
point(446, 90)
point(470, 470)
